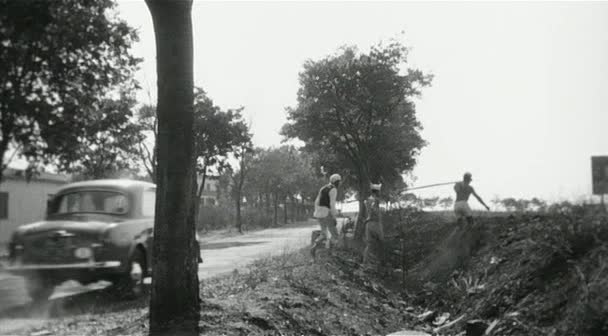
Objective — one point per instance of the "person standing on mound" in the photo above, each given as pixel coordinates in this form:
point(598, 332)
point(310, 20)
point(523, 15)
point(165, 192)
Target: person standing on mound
point(326, 213)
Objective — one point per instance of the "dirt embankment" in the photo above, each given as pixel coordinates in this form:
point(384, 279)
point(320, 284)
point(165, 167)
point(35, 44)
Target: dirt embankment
point(519, 275)
point(534, 274)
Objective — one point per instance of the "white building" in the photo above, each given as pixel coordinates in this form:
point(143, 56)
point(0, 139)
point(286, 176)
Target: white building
point(23, 202)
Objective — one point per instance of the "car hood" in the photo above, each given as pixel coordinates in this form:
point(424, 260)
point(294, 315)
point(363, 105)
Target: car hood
point(88, 228)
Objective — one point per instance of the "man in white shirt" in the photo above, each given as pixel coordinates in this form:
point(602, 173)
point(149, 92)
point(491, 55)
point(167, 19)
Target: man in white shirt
point(326, 213)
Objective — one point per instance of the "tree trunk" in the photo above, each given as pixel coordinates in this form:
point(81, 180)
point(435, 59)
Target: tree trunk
point(360, 228)
point(276, 209)
point(294, 209)
point(198, 193)
point(285, 210)
point(3, 149)
point(239, 224)
point(268, 211)
point(174, 303)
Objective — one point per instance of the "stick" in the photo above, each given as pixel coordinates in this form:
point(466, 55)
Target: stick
point(445, 326)
point(428, 186)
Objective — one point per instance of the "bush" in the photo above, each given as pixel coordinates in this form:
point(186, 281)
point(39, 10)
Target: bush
point(224, 217)
point(214, 218)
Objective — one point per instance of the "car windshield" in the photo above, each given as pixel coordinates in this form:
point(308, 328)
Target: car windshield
point(90, 201)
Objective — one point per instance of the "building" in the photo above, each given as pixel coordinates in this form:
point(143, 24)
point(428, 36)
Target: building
point(23, 202)
point(210, 192)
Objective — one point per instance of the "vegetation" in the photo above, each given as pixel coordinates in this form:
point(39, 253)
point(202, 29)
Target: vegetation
point(59, 85)
point(356, 116)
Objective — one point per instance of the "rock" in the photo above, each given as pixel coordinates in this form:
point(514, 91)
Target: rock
point(475, 328)
point(41, 333)
point(409, 333)
point(441, 319)
point(427, 316)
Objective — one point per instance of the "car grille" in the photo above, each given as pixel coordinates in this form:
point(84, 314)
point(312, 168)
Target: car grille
point(46, 248)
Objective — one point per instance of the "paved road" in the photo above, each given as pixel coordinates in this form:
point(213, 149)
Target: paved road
point(221, 255)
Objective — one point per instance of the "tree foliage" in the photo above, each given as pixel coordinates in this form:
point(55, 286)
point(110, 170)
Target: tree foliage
point(270, 180)
point(217, 133)
point(146, 149)
point(355, 112)
point(59, 61)
point(110, 143)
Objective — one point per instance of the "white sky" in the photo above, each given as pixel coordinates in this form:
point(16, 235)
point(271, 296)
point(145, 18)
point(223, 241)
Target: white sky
point(520, 95)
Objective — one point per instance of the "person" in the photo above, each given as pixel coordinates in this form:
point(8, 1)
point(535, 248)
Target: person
point(463, 190)
point(374, 232)
point(326, 213)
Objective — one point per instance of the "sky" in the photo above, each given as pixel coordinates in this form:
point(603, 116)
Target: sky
point(519, 96)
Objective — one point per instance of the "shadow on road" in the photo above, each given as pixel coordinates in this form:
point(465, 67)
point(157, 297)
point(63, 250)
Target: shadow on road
point(95, 302)
point(223, 245)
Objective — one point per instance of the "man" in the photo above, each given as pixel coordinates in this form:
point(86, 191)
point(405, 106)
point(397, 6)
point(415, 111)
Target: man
point(326, 213)
point(463, 190)
point(374, 233)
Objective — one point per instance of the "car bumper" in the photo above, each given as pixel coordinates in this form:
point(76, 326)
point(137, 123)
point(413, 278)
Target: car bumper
point(92, 265)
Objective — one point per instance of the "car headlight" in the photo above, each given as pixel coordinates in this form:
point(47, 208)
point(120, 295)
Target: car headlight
point(83, 253)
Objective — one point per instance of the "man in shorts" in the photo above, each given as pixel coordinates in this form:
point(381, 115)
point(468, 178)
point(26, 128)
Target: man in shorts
point(463, 190)
point(374, 232)
point(326, 213)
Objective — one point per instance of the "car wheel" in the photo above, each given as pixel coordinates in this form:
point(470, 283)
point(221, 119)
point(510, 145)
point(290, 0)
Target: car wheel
point(131, 284)
point(39, 288)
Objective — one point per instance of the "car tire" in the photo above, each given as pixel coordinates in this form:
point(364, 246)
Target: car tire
point(131, 285)
point(39, 288)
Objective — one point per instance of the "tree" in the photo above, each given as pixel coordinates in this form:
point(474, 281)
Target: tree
point(54, 78)
point(430, 202)
point(244, 154)
point(411, 200)
point(174, 304)
point(539, 204)
point(146, 149)
point(355, 110)
point(510, 204)
point(446, 202)
point(109, 145)
point(217, 133)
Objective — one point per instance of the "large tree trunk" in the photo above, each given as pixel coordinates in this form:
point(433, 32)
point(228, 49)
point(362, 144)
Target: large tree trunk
point(174, 304)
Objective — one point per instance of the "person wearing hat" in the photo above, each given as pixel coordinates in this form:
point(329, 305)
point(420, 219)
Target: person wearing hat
point(463, 190)
point(326, 213)
point(374, 233)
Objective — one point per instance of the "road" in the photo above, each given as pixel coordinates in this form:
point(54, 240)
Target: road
point(221, 255)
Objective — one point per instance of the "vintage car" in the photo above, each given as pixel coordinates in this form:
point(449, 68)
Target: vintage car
point(93, 230)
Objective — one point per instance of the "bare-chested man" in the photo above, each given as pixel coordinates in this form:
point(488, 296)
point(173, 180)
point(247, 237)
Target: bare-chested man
point(463, 190)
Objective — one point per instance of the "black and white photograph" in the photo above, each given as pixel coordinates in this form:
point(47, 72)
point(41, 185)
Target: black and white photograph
point(303, 168)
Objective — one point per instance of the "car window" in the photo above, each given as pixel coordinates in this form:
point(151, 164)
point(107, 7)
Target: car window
point(88, 201)
point(148, 203)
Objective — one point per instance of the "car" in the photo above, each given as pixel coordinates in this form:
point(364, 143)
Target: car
point(93, 230)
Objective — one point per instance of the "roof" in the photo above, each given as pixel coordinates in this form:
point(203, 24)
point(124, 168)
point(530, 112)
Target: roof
point(110, 183)
point(19, 174)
